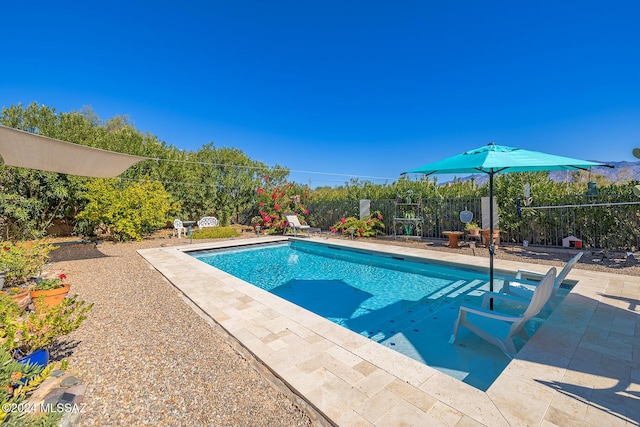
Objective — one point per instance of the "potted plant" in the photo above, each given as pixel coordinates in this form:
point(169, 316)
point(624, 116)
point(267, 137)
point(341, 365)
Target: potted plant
point(407, 198)
point(22, 261)
point(472, 228)
point(495, 239)
point(34, 332)
point(21, 296)
point(49, 292)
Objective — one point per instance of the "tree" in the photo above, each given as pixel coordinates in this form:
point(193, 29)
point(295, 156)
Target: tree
point(126, 210)
point(30, 199)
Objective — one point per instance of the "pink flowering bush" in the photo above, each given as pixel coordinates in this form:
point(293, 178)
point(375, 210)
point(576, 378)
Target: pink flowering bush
point(365, 227)
point(274, 201)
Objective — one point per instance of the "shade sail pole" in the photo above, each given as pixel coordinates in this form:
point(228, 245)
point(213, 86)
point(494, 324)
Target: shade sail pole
point(491, 244)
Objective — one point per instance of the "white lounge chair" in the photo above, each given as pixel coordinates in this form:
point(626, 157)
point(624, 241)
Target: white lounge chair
point(500, 328)
point(525, 290)
point(293, 223)
point(178, 227)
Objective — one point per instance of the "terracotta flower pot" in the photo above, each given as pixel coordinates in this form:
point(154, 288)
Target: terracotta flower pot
point(474, 232)
point(496, 237)
point(49, 298)
point(22, 299)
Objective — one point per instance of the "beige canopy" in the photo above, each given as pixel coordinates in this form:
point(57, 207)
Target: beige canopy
point(28, 150)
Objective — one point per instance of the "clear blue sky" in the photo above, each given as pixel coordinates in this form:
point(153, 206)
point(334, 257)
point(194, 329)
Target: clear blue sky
point(369, 88)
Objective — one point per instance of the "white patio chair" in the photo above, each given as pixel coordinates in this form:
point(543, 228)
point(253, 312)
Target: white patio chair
point(525, 290)
point(500, 328)
point(293, 223)
point(178, 228)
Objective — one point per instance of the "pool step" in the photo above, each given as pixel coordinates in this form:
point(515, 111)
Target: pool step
point(458, 288)
point(407, 317)
point(403, 322)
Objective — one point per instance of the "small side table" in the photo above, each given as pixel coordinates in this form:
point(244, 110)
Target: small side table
point(453, 237)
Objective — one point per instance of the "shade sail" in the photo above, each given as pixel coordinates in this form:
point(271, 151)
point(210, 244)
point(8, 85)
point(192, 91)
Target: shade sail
point(28, 150)
point(501, 159)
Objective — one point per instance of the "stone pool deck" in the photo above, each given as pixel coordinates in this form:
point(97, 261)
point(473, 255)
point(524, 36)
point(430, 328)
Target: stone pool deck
point(582, 367)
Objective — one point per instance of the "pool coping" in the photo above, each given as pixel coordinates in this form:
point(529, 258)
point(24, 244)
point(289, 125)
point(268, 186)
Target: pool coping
point(352, 380)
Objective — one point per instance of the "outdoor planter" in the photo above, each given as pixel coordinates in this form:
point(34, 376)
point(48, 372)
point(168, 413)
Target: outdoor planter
point(485, 237)
point(22, 299)
point(49, 298)
point(39, 357)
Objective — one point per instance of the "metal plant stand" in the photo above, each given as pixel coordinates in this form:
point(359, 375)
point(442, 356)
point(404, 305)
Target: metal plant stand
point(409, 217)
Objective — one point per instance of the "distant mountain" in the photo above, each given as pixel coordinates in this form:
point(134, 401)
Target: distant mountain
point(621, 171)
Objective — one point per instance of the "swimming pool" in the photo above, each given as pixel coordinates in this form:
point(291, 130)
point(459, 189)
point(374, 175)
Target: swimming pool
point(402, 303)
point(348, 379)
point(353, 289)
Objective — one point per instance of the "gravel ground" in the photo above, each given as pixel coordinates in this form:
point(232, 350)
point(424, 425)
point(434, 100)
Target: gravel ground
point(596, 260)
point(149, 359)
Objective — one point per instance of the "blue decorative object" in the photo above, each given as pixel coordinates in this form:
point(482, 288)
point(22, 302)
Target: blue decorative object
point(39, 357)
point(408, 228)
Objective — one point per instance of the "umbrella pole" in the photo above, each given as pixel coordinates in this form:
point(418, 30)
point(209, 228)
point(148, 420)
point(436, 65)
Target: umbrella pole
point(491, 244)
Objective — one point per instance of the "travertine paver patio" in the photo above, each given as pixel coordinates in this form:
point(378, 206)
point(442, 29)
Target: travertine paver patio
point(582, 367)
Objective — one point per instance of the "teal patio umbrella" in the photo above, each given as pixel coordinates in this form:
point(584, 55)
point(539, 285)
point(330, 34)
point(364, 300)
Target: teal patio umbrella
point(493, 159)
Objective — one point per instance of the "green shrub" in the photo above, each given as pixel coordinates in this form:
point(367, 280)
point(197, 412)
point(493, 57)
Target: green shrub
point(23, 260)
point(216, 233)
point(126, 210)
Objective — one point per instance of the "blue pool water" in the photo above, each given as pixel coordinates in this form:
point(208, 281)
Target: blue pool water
point(339, 284)
point(405, 305)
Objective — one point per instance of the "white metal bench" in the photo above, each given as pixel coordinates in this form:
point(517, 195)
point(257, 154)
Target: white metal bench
point(208, 221)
